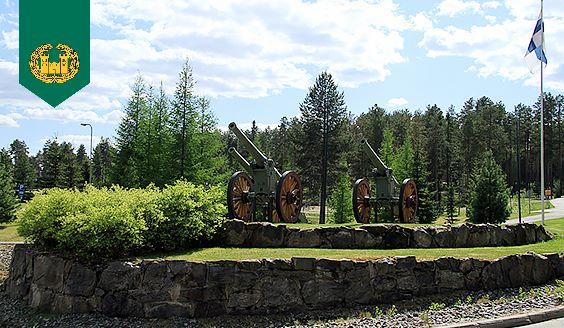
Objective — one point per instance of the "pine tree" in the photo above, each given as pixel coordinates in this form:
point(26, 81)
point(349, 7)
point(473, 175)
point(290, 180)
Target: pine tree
point(323, 122)
point(402, 163)
point(8, 199)
point(23, 171)
point(427, 211)
point(84, 164)
point(340, 200)
point(489, 193)
point(183, 116)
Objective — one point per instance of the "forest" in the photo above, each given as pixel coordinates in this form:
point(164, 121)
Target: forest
point(164, 137)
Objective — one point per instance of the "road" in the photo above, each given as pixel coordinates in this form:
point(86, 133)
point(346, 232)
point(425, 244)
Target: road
point(553, 213)
point(556, 323)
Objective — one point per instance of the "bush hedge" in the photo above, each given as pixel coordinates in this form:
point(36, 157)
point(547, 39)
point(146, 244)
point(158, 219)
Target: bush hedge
point(99, 224)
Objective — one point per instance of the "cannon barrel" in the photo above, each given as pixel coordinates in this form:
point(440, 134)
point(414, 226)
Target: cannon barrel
point(242, 161)
point(374, 158)
point(251, 148)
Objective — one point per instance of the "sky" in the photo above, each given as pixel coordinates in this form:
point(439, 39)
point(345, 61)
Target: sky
point(256, 59)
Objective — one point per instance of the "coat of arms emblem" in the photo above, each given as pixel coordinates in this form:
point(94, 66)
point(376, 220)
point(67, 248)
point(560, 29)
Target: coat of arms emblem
point(63, 69)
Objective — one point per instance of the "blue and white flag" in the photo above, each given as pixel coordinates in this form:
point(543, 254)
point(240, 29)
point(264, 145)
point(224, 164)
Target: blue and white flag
point(537, 41)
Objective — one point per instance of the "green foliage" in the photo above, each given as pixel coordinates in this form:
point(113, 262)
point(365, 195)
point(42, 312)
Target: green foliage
point(324, 120)
point(489, 196)
point(23, 171)
point(191, 215)
point(109, 223)
point(7, 195)
point(340, 201)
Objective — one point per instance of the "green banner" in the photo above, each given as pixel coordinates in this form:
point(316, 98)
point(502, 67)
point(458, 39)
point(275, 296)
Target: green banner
point(54, 48)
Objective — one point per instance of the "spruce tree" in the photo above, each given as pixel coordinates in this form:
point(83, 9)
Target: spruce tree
point(8, 199)
point(102, 161)
point(50, 164)
point(69, 173)
point(489, 196)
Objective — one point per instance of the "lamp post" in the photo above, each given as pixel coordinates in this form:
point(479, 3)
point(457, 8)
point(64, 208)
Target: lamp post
point(90, 175)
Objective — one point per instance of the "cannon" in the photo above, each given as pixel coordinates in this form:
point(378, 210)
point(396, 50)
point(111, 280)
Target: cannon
point(260, 185)
point(402, 203)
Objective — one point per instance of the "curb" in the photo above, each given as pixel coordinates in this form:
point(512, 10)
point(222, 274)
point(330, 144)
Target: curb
point(515, 320)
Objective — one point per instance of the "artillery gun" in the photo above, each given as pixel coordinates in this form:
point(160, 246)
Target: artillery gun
point(402, 203)
point(260, 185)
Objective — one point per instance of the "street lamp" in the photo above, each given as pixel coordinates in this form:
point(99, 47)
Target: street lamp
point(90, 175)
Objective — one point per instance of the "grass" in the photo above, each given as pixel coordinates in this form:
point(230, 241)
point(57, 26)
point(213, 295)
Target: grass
point(219, 253)
point(8, 232)
point(534, 209)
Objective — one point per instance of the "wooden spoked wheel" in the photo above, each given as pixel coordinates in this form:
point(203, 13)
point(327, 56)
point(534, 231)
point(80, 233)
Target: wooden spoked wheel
point(239, 204)
point(361, 201)
point(289, 197)
point(409, 201)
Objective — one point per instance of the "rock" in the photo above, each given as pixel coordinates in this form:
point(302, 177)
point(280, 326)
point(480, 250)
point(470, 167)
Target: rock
point(422, 238)
point(478, 236)
point(542, 234)
point(167, 310)
point(342, 239)
point(322, 292)
point(268, 235)
point(506, 237)
point(81, 280)
point(397, 237)
point(235, 233)
point(307, 238)
point(443, 237)
point(280, 293)
point(303, 263)
point(461, 235)
point(364, 239)
point(119, 276)
point(449, 280)
point(48, 271)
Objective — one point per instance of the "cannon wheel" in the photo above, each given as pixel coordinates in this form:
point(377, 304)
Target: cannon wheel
point(289, 196)
point(361, 201)
point(239, 205)
point(409, 201)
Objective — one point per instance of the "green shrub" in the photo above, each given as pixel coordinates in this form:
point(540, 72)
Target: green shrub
point(340, 201)
point(191, 216)
point(99, 224)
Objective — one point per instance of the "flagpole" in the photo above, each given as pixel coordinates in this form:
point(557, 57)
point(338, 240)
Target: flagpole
point(542, 118)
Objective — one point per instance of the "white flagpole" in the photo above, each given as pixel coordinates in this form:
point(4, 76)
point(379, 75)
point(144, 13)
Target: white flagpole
point(542, 119)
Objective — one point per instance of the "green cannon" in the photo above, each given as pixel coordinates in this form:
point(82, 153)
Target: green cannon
point(261, 186)
point(401, 200)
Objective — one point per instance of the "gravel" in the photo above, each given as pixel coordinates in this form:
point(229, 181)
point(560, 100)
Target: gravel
point(419, 312)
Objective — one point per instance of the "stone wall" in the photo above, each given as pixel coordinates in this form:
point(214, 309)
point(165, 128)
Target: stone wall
point(260, 234)
point(192, 289)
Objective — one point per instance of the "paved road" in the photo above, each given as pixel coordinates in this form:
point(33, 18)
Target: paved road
point(553, 213)
point(556, 323)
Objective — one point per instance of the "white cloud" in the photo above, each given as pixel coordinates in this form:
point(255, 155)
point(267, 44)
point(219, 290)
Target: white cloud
point(69, 115)
point(396, 102)
point(498, 48)
point(8, 121)
point(76, 140)
point(452, 8)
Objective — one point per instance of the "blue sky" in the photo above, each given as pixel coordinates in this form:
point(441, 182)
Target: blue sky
point(256, 59)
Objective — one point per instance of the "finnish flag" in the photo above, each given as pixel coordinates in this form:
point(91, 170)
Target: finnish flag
point(536, 45)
